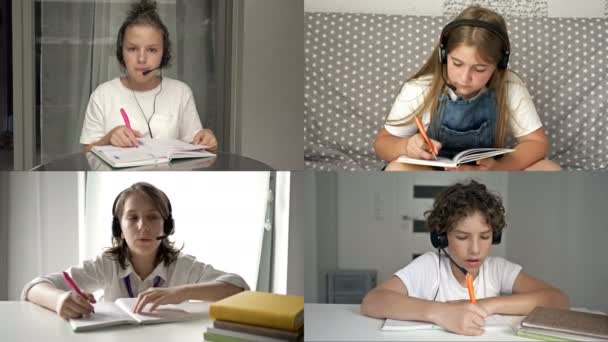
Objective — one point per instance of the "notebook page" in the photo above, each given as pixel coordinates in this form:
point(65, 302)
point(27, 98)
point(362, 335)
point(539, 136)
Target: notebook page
point(492, 322)
point(106, 314)
point(162, 314)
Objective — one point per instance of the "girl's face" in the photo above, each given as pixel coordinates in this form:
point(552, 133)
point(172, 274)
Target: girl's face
point(470, 241)
point(467, 71)
point(141, 223)
point(142, 50)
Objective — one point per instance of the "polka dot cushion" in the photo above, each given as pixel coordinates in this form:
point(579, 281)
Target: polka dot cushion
point(355, 65)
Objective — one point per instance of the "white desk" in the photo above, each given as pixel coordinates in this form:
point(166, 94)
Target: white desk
point(27, 322)
point(344, 322)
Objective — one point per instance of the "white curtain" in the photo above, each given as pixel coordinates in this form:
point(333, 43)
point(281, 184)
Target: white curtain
point(219, 216)
point(77, 45)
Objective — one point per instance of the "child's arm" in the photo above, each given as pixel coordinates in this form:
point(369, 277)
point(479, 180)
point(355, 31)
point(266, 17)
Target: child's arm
point(528, 293)
point(66, 304)
point(389, 147)
point(210, 292)
point(391, 300)
point(530, 149)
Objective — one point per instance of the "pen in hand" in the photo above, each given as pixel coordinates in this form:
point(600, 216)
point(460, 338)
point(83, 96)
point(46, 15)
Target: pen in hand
point(469, 279)
point(425, 137)
point(125, 118)
point(74, 287)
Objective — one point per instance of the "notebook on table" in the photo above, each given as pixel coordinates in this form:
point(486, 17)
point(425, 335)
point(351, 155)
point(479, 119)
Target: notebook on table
point(549, 323)
point(150, 151)
point(492, 322)
point(463, 157)
point(119, 312)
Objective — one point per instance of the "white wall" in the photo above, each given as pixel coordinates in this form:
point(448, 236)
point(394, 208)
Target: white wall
point(271, 103)
point(37, 243)
point(559, 232)
point(555, 8)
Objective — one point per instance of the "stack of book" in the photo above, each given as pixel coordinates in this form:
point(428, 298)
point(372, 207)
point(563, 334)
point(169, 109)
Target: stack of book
point(564, 325)
point(257, 316)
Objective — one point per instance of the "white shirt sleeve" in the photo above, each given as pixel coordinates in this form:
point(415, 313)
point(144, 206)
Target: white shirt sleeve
point(407, 102)
point(190, 122)
point(503, 273)
point(421, 276)
point(89, 277)
point(524, 118)
point(93, 128)
point(199, 272)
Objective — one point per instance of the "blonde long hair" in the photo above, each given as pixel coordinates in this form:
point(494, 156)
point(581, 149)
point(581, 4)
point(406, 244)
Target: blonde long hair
point(490, 48)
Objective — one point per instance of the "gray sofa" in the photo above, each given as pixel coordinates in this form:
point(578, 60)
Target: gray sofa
point(355, 65)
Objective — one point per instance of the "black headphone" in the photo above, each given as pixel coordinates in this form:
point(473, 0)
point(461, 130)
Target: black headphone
point(165, 59)
point(168, 226)
point(441, 240)
point(445, 33)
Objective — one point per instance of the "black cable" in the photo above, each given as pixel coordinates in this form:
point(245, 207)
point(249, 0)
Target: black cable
point(153, 106)
point(439, 282)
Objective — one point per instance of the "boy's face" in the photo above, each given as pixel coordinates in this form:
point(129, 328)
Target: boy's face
point(467, 71)
point(141, 223)
point(142, 50)
point(470, 241)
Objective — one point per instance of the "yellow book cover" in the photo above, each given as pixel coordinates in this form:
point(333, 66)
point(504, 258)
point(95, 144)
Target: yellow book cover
point(261, 308)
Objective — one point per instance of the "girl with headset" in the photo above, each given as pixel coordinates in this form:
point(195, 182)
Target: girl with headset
point(466, 219)
point(142, 263)
point(466, 97)
point(155, 106)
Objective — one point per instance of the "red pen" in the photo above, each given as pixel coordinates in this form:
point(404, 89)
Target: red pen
point(126, 120)
point(74, 287)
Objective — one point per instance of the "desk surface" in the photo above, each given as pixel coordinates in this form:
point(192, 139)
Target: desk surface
point(222, 162)
point(27, 322)
point(344, 322)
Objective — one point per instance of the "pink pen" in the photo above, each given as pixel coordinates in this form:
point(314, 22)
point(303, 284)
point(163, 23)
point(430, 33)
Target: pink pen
point(126, 119)
point(73, 286)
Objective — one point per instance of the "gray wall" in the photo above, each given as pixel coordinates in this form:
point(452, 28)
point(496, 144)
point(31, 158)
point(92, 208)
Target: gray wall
point(300, 221)
point(4, 234)
point(559, 232)
point(271, 102)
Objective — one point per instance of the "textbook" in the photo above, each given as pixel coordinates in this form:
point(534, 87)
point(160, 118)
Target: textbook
point(150, 151)
point(264, 309)
point(463, 157)
point(221, 335)
point(119, 313)
point(548, 323)
point(492, 322)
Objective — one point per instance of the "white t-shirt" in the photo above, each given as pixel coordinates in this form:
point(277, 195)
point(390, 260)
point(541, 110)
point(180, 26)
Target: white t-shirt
point(175, 115)
point(106, 273)
point(423, 275)
point(524, 118)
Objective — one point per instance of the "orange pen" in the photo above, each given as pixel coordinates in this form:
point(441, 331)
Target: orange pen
point(426, 137)
point(469, 279)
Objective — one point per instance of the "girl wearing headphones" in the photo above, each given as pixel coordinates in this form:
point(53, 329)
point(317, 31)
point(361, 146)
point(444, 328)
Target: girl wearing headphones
point(142, 263)
point(466, 98)
point(156, 106)
point(466, 219)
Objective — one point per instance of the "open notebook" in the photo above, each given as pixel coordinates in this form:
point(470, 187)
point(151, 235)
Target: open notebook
point(463, 157)
point(492, 322)
point(150, 151)
point(119, 313)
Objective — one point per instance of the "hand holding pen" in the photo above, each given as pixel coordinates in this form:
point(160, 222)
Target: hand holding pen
point(123, 136)
point(431, 147)
point(75, 303)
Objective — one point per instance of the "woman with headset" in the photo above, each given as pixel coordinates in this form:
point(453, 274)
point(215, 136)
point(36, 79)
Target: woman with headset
point(154, 106)
point(142, 263)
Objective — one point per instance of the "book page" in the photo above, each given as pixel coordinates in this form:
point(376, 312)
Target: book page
point(162, 314)
point(106, 314)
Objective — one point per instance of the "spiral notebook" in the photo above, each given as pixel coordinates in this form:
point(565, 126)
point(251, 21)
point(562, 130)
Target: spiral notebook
point(150, 151)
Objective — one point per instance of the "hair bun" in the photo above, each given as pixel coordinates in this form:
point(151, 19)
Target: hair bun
point(142, 7)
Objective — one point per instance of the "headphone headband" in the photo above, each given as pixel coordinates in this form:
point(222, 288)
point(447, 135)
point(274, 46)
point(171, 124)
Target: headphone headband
point(445, 33)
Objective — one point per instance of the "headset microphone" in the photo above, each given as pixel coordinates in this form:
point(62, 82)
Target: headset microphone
point(161, 237)
point(462, 269)
point(451, 86)
point(150, 70)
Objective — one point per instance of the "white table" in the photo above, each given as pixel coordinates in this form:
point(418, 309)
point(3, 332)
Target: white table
point(27, 322)
point(344, 322)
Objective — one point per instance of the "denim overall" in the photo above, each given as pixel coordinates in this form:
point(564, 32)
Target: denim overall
point(463, 124)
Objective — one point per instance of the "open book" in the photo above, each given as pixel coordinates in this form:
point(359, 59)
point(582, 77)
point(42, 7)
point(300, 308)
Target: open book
point(463, 157)
point(492, 322)
point(119, 312)
point(150, 151)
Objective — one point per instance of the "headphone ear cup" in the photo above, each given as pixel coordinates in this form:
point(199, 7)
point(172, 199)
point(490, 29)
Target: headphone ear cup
point(116, 230)
point(504, 62)
point(443, 59)
point(439, 241)
point(496, 238)
point(169, 226)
